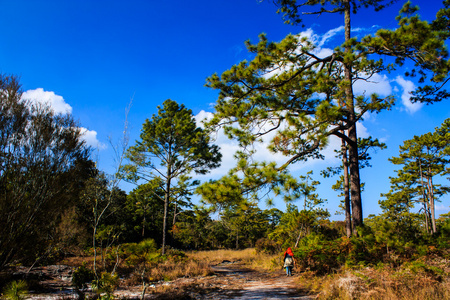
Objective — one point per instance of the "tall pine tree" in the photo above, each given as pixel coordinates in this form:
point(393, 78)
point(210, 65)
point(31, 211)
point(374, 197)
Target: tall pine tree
point(302, 98)
point(170, 148)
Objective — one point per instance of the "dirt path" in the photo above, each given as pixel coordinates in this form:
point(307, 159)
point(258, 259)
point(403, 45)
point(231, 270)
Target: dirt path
point(230, 281)
point(272, 288)
point(247, 284)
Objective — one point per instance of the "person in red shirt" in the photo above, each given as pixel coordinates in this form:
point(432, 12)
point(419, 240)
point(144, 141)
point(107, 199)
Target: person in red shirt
point(289, 261)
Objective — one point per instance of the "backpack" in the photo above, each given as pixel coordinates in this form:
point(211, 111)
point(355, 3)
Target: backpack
point(289, 261)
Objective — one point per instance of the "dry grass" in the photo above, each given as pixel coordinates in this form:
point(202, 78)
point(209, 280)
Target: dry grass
point(247, 257)
point(382, 283)
point(424, 280)
point(217, 256)
point(196, 263)
point(170, 270)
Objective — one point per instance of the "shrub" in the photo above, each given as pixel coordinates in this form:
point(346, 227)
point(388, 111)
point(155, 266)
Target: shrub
point(317, 254)
point(443, 238)
point(81, 276)
point(106, 285)
point(267, 246)
point(16, 290)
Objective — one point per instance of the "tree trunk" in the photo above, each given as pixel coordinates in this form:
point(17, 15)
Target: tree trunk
point(298, 237)
point(348, 216)
point(144, 221)
point(174, 220)
point(94, 233)
point(355, 187)
point(166, 211)
point(424, 198)
point(95, 252)
point(103, 253)
point(431, 197)
point(425, 209)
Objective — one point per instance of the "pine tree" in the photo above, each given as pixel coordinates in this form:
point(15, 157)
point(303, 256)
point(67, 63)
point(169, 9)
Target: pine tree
point(423, 158)
point(302, 99)
point(170, 148)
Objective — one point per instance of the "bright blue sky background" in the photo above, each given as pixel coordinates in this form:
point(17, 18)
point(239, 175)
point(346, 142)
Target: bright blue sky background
point(91, 57)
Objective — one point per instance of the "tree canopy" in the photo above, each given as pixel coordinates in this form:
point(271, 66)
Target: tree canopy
point(297, 98)
point(44, 163)
point(170, 148)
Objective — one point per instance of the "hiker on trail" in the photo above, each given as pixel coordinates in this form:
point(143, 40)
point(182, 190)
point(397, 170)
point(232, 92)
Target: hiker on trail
point(289, 261)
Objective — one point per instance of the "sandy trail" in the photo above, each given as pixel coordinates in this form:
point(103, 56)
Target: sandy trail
point(230, 281)
point(247, 284)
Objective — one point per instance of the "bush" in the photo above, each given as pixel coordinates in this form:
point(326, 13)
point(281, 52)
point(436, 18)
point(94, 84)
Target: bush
point(320, 255)
point(16, 290)
point(175, 255)
point(81, 276)
point(443, 237)
point(106, 285)
point(267, 246)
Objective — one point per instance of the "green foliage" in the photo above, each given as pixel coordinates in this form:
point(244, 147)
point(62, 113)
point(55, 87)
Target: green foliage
point(196, 230)
point(171, 139)
point(423, 158)
point(268, 246)
point(44, 163)
point(171, 147)
point(318, 254)
point(245, 223)
point(238, 226)
point(296, 224)
point(82, 276)
point(100, 206)
point(379, 243)
point(248, 181)
point(418, 266)
point(143, 213)
point(140, 253)
point(302, 100)
point(443, 236)
point(16, 290)
point(105, 285)
point(400, 236)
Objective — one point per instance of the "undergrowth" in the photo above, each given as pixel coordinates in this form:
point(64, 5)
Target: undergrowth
point(416, 280)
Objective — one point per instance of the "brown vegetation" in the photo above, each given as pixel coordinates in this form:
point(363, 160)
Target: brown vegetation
point(200, 274)
point(412, 280)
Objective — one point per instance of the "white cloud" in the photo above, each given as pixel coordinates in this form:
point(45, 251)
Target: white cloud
point(442, 207)
point(202, 116)
point(227, 147)
point(310, 35)
point(323, 52)
point(330, 34)
point(59, 105)
point(373, 28)
point(362, 130)
point(319, 41)
point(90, 136)
point(54, 101)
point(408, 87)
point(378, 84)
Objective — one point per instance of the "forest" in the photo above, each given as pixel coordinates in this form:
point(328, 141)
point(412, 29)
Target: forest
point(56, 205)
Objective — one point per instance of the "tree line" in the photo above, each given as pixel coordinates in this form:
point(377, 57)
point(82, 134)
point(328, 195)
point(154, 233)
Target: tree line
point(54, 198)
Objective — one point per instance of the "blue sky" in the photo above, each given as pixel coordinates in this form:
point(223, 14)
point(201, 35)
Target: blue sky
point(90, 58)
